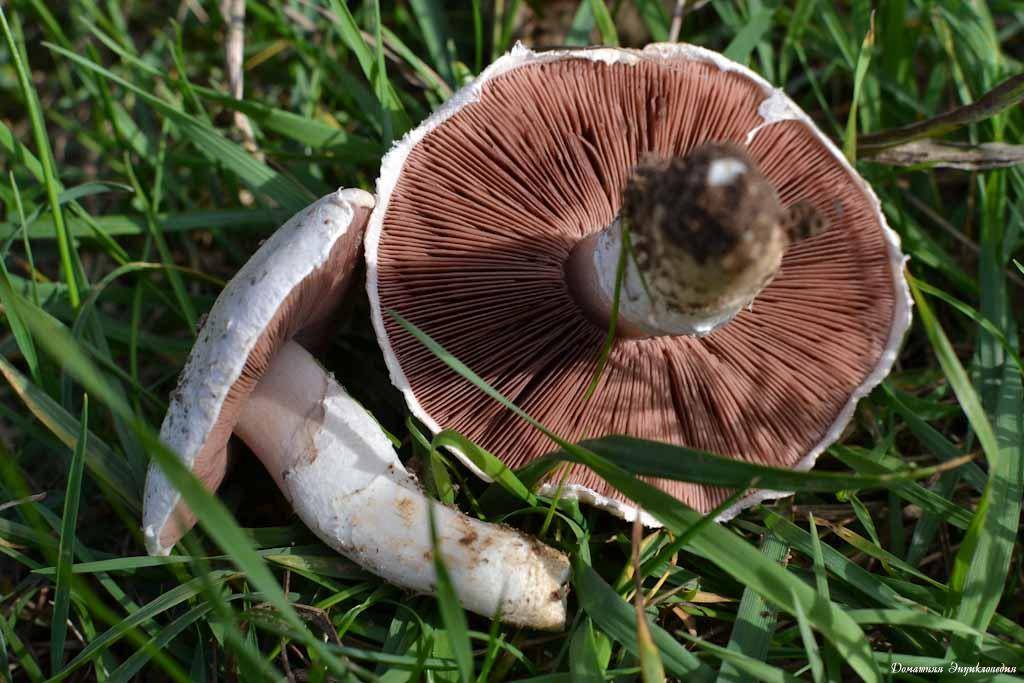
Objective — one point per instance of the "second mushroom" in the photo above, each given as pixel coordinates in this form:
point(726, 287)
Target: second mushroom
point(250, 373)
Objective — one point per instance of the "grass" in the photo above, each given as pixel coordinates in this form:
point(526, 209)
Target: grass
point(129, 196)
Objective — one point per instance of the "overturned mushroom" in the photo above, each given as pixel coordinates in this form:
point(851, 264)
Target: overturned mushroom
point(328, 456)
point(766, 296)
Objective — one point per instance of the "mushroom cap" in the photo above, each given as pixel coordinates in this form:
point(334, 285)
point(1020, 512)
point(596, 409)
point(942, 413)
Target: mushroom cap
point(479, 207)
point(289, 289)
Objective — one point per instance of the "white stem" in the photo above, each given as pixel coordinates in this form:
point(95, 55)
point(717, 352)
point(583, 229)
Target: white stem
point(340, 473)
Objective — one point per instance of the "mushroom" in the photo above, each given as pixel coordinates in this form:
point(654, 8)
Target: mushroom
point(248, 373)
point(763, 298)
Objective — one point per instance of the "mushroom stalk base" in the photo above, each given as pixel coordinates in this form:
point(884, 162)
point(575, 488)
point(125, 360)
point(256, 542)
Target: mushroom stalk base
point(707, 234)
point(340, 473)
point(647, 308)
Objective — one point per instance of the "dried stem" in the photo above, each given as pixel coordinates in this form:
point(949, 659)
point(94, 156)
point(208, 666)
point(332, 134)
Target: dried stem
point(234, 53)
point(960, 155)
point(1005, 95)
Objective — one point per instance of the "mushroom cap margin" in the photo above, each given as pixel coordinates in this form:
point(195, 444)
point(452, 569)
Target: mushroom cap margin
point(234, 328)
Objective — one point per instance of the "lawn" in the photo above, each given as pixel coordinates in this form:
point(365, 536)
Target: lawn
point(147, 149)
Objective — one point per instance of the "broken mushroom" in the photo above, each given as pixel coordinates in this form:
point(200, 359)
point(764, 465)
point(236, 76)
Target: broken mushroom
point(248, 373)
point(763, 298)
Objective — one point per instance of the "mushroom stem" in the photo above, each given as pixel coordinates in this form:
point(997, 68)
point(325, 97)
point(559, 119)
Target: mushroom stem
point(707, 235)
point(339, 471)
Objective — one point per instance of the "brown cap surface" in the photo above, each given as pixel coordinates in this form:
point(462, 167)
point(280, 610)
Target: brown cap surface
point(289, 289)
point(475, 222)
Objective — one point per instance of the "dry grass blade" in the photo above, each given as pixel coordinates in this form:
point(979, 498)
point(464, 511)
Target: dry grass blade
point(1005, 95)
point(650, 662)
point(960, 155)
point(34, 498)
point(679, 13)
point(234, 53)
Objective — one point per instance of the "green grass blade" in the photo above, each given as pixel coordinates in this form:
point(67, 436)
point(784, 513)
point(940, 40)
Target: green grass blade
point(434, 28)
point(348, 147)
point(872, 549)
point(617, 618)
point(841, 566)
point(864, 517)
point(118, 225)
point(128, 669)
point(25, 243)
point(68, 196)
point(755, 620)
point(379, 75)
point(860, 70)
point(995, 531)
point(89, 304)
point(957, 376)
point(795, 29)
point(43, 520)
point(318, 134)
point(657, 459)
point(151, 204)
point(1007, 94)
point(438, 480)
point(811, 649)
point(478, 36)
point(373, 68)
point(18, 329)
point(914, 493)
point(504, 15)
point(752, 668)
point(128, 565)
point(585, 662)
point(104, 464)
point(430, 78)
point(65, 554)
point(832, 661)
point(452, 614)
point(981, 562)
point(669, 549)
point(750, 35)
point(20, 653)
point(654, 16)
point(23, 156)
point(909, 617)
point(166, 601)
point(928, 526)
point(605, 23)
point(582, 25)
point(489, 464)
point(609, 338)
point(50, 180)
point(260, 178)
point(5, 664)
point(975, 315)
point(651, 668)
point(933, 440)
